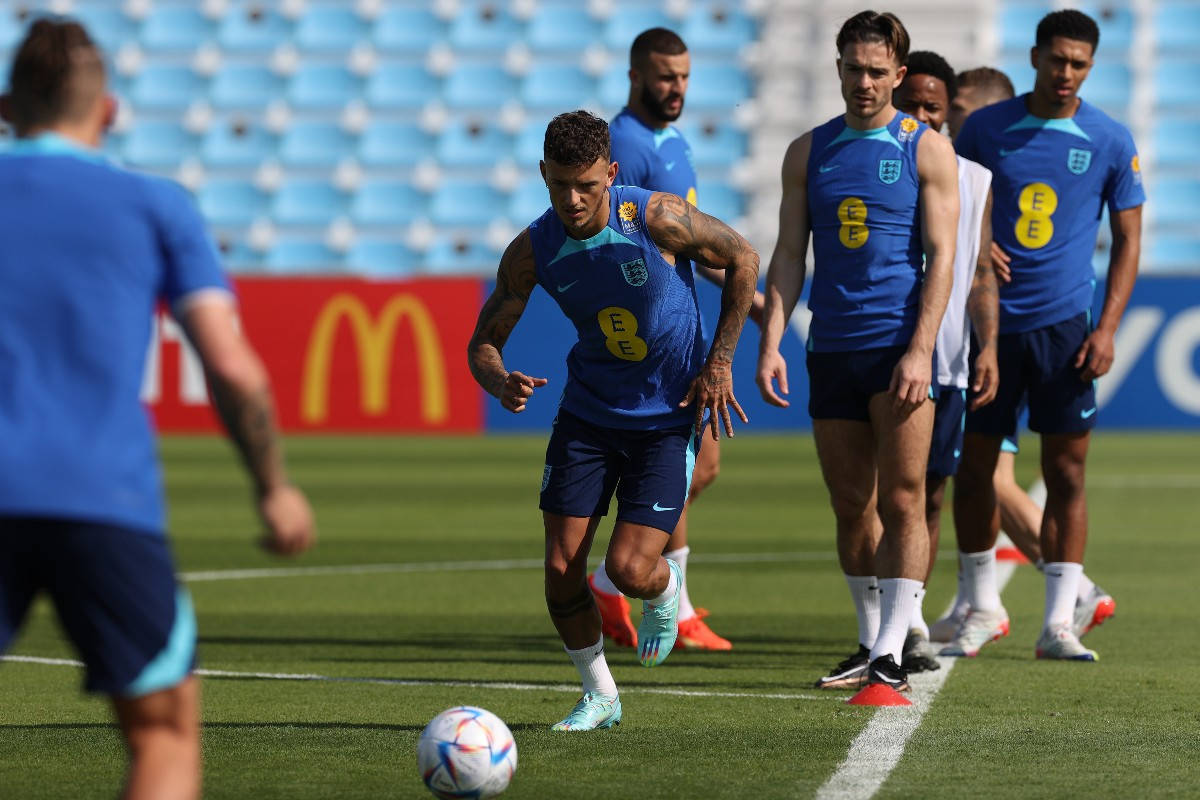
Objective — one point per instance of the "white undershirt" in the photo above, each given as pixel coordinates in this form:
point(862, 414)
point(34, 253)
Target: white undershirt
point(954, 337)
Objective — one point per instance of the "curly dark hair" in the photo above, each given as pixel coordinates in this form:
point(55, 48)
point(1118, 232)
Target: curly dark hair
point(1069, 24)
point(927, 62)
point(869, 26)
point(576, 139)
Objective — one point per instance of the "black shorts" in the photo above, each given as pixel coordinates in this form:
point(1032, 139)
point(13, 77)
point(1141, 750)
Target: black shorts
point(945, 449)
point(841, 384)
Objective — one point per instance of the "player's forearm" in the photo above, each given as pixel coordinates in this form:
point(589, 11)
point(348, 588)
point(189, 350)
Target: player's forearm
point(983, 303)
point(487, 367)
point(737, 295)
point(1122, 273)
point(246, 410)
point(785, 282)
point(713, 276)
point(935, 294)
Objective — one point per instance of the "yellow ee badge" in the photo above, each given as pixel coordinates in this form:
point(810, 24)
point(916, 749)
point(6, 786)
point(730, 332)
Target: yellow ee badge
point(1037, 203)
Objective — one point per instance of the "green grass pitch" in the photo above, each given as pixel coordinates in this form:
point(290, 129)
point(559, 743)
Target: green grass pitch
point(1004, 725)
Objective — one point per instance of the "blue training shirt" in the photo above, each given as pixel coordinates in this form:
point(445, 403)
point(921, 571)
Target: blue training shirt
point(658, 159)
point(1051, 179)
point(636, 316)
point(89, 250)
point(863, 201)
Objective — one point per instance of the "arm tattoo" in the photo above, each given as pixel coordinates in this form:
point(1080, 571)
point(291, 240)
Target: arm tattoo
point(250, 419)
point(514, 284)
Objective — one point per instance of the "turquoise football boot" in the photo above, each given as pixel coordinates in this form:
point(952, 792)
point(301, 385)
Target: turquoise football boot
point(660, 625)
point(591, 712)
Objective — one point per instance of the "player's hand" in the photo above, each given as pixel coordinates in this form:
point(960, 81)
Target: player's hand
point(911, 379)
point(712, 390)
point(987, 378)
point(517, 389)
point(289, 519)
point(1001, 263)
point(1096, 355)
point(772, 367)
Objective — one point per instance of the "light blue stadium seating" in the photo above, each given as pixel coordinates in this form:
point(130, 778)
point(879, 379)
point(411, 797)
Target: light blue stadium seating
point(245, 86)
point(720, 200)
point(108, 26)
point(407, 28)
point(717, 87)
point(557, 87)
point(231, 202)
point(381, 258)
point(479, 87)
point(717, 27)
point(154, 144)
point(253, 27)
point(624, 25)
point(1177, 143)
point(306, 201)
point(330, 27)
point(399, 85)
point(383, 201)
point(175, 27)
point(1017, 25)
point(452, 255)
point(530, 144)
point(484, 26)
point(301, 254)
point(467, 144)
point(1177, 25)
point(1108, 85)
point(1019, 71)
point(11, 32)
point(562, 29)
point(458, 202)
point(528, 201)
point(1171, 252)
point(1177, 83)
point(237, 256)
point(714, 143)
point(1176, 201)
point(393, 144)
point(315, 144)
point(230, 144)
point(316, 86)
point(614, 86)
point(166, 87)
point(1115, 21)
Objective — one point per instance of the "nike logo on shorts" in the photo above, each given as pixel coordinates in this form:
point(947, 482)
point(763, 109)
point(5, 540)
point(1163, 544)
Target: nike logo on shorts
point(657, 507)
point(1088, 413)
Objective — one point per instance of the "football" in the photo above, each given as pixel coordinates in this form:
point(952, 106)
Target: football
point(466, 752)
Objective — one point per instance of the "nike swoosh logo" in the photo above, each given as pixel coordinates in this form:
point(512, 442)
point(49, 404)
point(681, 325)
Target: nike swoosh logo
point(957, 453)
point(657, 507)
point(563, 288)
point(882, 677)
point(828, 167)
point(1004, 152)
point(670, 165)
point(1088, 413)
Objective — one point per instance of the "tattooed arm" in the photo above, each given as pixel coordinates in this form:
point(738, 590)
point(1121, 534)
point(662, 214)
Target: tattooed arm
point(514, 283)
point(983, 306)
point(241, 392)
point(679, 228)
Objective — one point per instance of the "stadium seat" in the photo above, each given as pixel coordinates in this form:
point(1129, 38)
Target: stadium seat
point(315, 144)
point(1108, 86)
point(717, 87)
point(484, 26)
point(714, 143)
point(237, 256)
point(614, 87)
point(401, 86)
point(11, 32)
point(245, 86)
point(253, 27)
point(393, 144)
point(407, 29)
point(231, 202)
point(237, 144)
point(1175, 26)
point(720, 200)
point(1017, 26)
point(1022, 74)
point(530, 144)
point(528, 202)
point(717, 27)
point(381, 258)
point(166, 87)
point(1115, 21)
point(330, 28)
point(470, 144)
point(479, 87)
point(624, 25)
point(316, 86)
point(305, 201)
point(453, 255)
point(153, 144)
point(108, 26)
point(561, 29)
point(175, 27)
point(1176, 143)
point(292, 255)
point(1173, 253)
point(1175, 201)
point(465, 203)
point(383, 201)
point(1177, 84)
point(557, 87)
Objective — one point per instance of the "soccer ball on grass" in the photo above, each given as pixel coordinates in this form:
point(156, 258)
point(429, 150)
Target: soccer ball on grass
point(466, 752)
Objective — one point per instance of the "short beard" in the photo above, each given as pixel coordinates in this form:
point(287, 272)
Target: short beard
point(654, 107)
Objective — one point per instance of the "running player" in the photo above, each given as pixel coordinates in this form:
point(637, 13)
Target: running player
point(654, 155)
point(88, 251)
point(1057, 161)
point(616, 260)
point(879, 192)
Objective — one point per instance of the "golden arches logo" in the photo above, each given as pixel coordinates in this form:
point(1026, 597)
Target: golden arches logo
point(373, 341)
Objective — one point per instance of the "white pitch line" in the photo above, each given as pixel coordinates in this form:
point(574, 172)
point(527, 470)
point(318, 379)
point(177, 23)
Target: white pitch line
point(498, 685)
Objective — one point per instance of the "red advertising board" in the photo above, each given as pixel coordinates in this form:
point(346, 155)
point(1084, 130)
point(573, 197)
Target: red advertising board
point(344, 356)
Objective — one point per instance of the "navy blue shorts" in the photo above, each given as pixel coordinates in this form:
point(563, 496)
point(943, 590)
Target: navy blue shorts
point(945, 450)
point(1039, 366)
point(841, 384)
point(650, 471)
point(115, 593)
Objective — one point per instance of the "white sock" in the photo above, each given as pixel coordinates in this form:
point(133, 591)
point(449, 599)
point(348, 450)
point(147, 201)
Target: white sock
point(962, 604)
point(603, 582)
point(980, 572)
point(918, 614)
point(1085, 586)
point(896, 599)
point(593, 669)
point(668, 593)
point(864, 590)
point(685, 603)
point(1061, 579)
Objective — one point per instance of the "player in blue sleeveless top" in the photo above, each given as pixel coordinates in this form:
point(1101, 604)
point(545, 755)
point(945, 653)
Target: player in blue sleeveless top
point(1057, 162)
point(89, 250)
point(878, 192)
point(615, 259)
point(654, 155)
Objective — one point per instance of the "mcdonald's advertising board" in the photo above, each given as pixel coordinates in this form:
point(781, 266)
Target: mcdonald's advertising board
point(344, 356)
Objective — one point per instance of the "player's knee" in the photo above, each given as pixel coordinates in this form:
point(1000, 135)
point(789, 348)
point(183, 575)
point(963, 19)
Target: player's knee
point(1064, 477)
point(632, 575)
point(900, 504)
point(850, 506)
point(563, 576)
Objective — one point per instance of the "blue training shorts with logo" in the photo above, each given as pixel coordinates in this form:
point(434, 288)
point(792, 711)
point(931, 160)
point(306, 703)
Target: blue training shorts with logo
point(945, 449)
point(1039, 366)
point(650, 471)
point(841, 384)
point(115, 593)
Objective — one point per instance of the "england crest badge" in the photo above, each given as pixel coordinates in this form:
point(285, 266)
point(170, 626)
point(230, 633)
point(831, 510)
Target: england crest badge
point(1078, 160)
point(889, 170)
point(635, 272)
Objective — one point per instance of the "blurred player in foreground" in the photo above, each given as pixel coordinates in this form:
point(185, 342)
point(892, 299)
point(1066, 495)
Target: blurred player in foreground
point(654, 155)
point(879, 193)
point(616, 259)
point(89, 250)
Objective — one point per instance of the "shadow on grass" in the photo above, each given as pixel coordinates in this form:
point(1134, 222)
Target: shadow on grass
point(319, 726)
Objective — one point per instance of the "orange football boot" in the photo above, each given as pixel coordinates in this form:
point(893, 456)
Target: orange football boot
point(614, 616)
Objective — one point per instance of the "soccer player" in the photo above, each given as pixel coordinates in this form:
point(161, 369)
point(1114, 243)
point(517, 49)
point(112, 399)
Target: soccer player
point(616, 260)
point(1056, 161)
point(928, 89)
point(88, 251)
point(878, 191)
point(654, 155)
